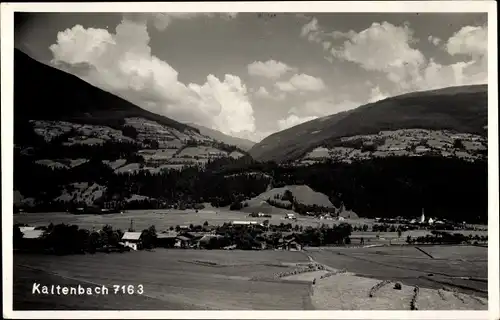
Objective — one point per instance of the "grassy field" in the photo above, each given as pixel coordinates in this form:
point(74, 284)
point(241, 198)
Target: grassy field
point(413, 267)
point(176, 279)
point(162, 219)
point(172, 279)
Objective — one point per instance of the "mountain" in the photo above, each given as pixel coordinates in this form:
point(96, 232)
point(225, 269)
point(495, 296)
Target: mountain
point(45, 93)
point(451, 110)
point(243, 144)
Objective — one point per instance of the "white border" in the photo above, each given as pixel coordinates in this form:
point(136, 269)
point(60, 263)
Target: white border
point(7, 43)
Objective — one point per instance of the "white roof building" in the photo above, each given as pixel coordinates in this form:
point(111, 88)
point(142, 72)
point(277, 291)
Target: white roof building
point(32, 234)
point(131, 236)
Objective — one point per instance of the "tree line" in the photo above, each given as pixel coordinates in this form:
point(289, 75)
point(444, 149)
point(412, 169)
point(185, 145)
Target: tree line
point(64, 239)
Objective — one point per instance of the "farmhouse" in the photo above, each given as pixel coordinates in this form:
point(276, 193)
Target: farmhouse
point(290, 244)
point(32, 239)
point(246, 223)
point(166, 239)
point(32, 234)
point(132, 240)
point(182, 242)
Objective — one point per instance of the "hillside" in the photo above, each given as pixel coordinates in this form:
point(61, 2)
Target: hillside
point(69, 133)
point(243, 144)
point(455, 109)
point(45, 93)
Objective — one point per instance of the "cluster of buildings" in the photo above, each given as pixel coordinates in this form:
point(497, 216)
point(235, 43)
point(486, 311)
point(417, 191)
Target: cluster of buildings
point(186, 239)
point(404, 142)
point(84, 133)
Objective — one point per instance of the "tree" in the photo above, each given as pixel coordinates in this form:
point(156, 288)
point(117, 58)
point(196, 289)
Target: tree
point(236, 206)
point(408, 239)
point(287, 196)
point(130, 132)
point(458, 144)
point(205, 224)
point(399, 233)
point(18, 236)
point(149, 237)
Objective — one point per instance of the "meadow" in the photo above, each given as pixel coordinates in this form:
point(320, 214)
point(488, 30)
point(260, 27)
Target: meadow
point(449, 267)
point(163, 219)
point(176, 279)
point(172, 279)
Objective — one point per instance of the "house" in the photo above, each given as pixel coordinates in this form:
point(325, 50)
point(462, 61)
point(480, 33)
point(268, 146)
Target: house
point(32, 239)
point(132, 240)
point(290, 244)
point(182, 242)
point(206, 240)
point(166, 239)
point(290, 216)
point(32, 233)
point(246, 223)
point(23, 229)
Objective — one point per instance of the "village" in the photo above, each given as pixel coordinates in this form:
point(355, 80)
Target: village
point(404, 142)
point(290, 235)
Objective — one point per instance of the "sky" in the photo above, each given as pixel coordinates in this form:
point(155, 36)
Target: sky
point(249, 75)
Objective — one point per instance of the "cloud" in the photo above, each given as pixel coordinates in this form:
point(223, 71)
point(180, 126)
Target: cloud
point(301, 82)
point(122, 63)
point(161, 20)
point(434, 40)
point(293, 120)
point(388, 49)
point(329, 59)
point(271, 69)
point(341, 35)
point(264, 94)
point(470, 40)
point(311, 27)
point(312, 31)
point(471, 43)
point(326, 45)
point(385, 48)
point(376, 95)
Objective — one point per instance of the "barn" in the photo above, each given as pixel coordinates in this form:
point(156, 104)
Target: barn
point(132, 240)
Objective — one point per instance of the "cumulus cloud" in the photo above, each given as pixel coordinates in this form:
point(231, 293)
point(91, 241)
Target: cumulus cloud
point(161, 20)
point(314, 109)
point(301, 82)
point(376, 95)
point(293, 120)
point(386, 48)
point(271, 69)
point(434, 40)
point(470, 40)
point(264, 94)
point(122, 63)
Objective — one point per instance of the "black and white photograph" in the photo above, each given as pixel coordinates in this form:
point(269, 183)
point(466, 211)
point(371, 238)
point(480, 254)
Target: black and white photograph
point(259, 159)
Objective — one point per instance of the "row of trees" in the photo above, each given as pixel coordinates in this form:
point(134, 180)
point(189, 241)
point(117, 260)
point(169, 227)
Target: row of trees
point(441, 237)
point(63, 239)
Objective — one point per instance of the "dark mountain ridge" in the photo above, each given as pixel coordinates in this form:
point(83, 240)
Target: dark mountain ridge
point(45, 93)
point(461, 109)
